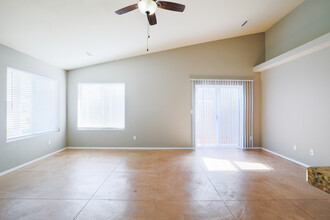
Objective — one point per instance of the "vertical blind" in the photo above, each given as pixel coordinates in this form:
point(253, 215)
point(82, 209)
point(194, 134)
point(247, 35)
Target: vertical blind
point(101, 106)
point(222, 113)
point(32, 104)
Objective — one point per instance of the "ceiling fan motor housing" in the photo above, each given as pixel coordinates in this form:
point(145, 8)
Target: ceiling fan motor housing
point(147, 6)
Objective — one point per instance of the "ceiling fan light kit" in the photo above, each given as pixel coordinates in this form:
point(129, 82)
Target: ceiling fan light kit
point(149, 7)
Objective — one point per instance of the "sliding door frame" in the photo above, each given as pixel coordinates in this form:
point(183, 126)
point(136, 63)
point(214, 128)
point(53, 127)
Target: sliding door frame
point(193, 106)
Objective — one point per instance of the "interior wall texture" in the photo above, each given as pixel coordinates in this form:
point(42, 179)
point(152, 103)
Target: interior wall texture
point(17, 152)
point(295, 95)
point(295, 108)
point(158, 91)
point(308, 21)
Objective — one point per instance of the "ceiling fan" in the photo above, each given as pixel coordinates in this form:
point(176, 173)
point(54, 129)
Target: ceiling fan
point(149, 7)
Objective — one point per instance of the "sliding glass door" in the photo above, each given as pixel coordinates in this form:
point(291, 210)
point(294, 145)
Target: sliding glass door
point(220, 114)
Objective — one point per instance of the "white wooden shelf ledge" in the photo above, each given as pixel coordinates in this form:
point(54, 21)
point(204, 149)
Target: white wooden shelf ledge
point(303, 50)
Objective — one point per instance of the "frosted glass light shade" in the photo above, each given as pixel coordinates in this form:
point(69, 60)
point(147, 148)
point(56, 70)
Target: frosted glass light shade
point(147, 6)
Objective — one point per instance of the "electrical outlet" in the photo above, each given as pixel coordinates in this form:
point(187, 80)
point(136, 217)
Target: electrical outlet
point(134, 138)
point(311, 152)
point(49, 142)
point(294, 147)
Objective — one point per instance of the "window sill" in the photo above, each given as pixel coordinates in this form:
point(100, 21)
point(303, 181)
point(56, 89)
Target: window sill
point(100, 129)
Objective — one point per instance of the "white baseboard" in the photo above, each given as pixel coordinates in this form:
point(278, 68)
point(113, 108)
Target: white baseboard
point(32, 161)
point(130, 148)
point(285, 157)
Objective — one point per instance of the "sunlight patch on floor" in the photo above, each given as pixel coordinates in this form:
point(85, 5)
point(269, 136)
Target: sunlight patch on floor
point(213, 164)
point(218, 165)
point(252, 166)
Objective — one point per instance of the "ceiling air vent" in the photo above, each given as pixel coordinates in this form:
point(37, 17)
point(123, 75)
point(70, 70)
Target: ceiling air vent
point(244, 23)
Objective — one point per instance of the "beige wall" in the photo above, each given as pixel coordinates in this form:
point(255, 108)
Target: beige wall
point(295, 96)
point(296, 108)
point(158, 91)
point(307, 22)
point(21, 151)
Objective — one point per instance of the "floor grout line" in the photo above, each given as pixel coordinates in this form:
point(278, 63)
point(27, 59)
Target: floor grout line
point(97, 189)
point(301, 209)
point(216, 190)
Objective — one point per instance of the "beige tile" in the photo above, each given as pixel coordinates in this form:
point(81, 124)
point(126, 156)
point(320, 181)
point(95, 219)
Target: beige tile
point(288, 176)
point(20, 184)
point(293, 189)
point(221, 153)
point(76, 165)
point(238, 177)
point(270, 210)
point(92, 154)
point(165, 154)
point(142, 153)
point(129, 186)
point(61, 185)
point(180, 164)
point(105, 209)
point(139, 164)
point(91, 166)
point(175, 210)
point(185, 186)
point(247, 191)
point(318, 209)
point(40, 209)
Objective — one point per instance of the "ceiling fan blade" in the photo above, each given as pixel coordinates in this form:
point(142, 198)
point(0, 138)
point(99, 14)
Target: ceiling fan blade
point(172, 6)
point(152, 19)
point(126, 9)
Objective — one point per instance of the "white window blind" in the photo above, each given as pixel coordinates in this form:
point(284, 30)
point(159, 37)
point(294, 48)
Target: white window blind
point(101, 106)
point(32, 104)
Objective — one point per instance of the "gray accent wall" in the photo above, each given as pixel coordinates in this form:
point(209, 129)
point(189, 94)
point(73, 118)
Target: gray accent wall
point(18, 152)
point(158, 91)
point(296, 108)
point(296, 95)
point(308, 21)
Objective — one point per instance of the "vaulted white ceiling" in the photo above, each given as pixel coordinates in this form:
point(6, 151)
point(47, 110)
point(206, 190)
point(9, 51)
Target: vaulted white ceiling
point(60, 32)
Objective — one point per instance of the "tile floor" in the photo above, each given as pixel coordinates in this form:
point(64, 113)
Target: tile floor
point(163, 184)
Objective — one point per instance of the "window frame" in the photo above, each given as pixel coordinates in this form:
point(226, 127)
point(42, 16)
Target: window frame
point(34, 134)
point(100, 128)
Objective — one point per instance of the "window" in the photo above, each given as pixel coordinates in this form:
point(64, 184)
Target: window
point(32, 104)
point(101, 106)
